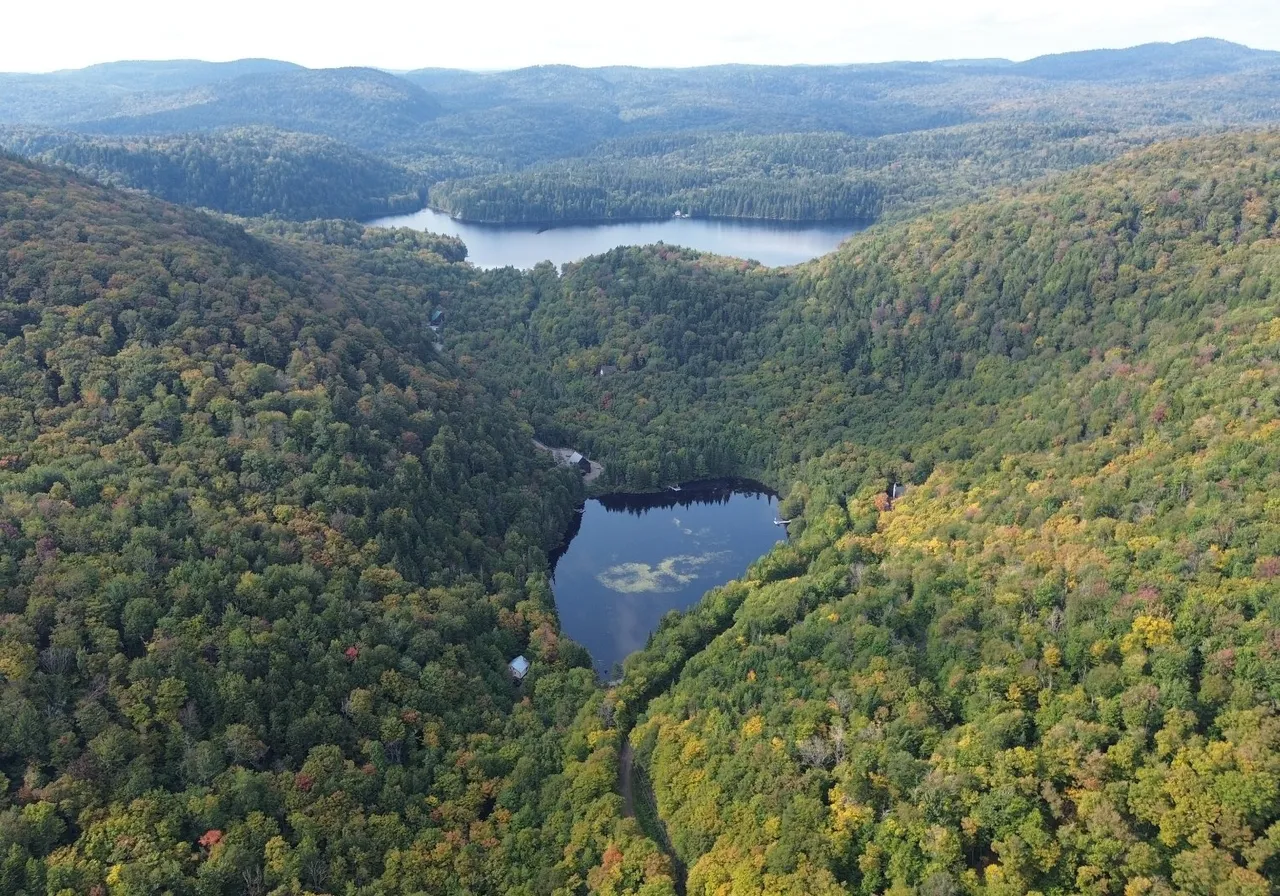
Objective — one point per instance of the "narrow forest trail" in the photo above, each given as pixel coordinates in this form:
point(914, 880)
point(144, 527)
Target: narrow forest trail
point(626, 761)
point(650, 822)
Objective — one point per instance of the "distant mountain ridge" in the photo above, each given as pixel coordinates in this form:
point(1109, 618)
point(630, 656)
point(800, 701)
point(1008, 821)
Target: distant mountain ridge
point(139, 74)
point(124, 81)
point(363, 106)
point(557, 142)
point(1191, 58)
point(173, 74)
point(1208, 55)
point(69, 95)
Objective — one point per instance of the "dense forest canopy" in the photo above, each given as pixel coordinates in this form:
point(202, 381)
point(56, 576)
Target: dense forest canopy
point(269, 541)
point(789, 177)
point(257, 537)
point(557, 143)
point(248, 172)
point(1051, 666)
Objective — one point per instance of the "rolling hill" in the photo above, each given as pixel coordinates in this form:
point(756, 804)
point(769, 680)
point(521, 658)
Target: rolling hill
point(256, 537)
point(60, 98)
point(364, 107)
point(1050, 665)
point(243, 171)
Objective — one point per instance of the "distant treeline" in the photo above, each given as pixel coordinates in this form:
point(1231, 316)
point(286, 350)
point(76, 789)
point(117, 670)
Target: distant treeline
point(787, 177)
point(560, 193)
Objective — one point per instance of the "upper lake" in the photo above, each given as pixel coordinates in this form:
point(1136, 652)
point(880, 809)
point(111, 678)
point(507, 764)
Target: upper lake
point(633, 558)
point(771, 243)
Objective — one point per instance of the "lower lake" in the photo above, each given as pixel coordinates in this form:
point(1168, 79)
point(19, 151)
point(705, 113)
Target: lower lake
point(632, 558)
point(771, 243)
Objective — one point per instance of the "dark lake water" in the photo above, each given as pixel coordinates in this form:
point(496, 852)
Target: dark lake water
point(634, 557)
point(523, 246)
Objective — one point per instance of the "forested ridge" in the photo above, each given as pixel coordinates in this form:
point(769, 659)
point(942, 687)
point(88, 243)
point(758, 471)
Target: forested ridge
point(818, 176)
point(1051, 665)
point(257, 539)
point(267, 551)
point(248, 172)
point(365, 107)
point(842, 142)
point(556, 143)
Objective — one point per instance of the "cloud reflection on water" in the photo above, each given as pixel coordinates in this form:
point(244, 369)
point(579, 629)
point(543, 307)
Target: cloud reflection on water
point(667, 575)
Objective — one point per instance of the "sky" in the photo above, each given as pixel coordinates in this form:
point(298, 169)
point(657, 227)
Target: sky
point(501, 34)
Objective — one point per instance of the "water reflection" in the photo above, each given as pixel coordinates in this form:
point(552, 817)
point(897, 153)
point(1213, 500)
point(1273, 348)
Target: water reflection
point(711, 491)
point(523, 246)
point(633, 558)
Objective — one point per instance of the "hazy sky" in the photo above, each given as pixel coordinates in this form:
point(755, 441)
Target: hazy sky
point(487, 34)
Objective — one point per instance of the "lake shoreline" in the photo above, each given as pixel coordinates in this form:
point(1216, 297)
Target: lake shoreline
point(685, 493)
point(628, 560)
point(769, 242)
point(559, 223)
point(692, 492)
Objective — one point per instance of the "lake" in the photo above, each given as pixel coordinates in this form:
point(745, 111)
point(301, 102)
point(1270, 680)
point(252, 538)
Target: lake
point(523, 246)
point(632, 558)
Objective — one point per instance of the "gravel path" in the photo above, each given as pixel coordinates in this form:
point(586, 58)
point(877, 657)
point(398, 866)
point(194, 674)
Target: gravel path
point(562, 455)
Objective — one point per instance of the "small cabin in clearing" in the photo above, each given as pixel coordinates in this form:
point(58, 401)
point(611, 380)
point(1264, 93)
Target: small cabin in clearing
point(607, 370)
point(519, 668)
point(891, 494)
point(577, 460)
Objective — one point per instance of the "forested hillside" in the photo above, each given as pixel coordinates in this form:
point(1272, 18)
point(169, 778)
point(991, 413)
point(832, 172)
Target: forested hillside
point(61, 97)
point(1049, 667)
point(266, 552)
point(256, 539)
point(365, 107)
point(759, 367)
point(247, 171)
point(819, 176)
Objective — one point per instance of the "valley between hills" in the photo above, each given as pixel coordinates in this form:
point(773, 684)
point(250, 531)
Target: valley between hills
point(270, 533)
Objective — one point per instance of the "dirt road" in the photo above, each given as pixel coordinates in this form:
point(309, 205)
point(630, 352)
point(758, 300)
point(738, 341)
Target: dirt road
point(562, 455)
point(625, 762)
